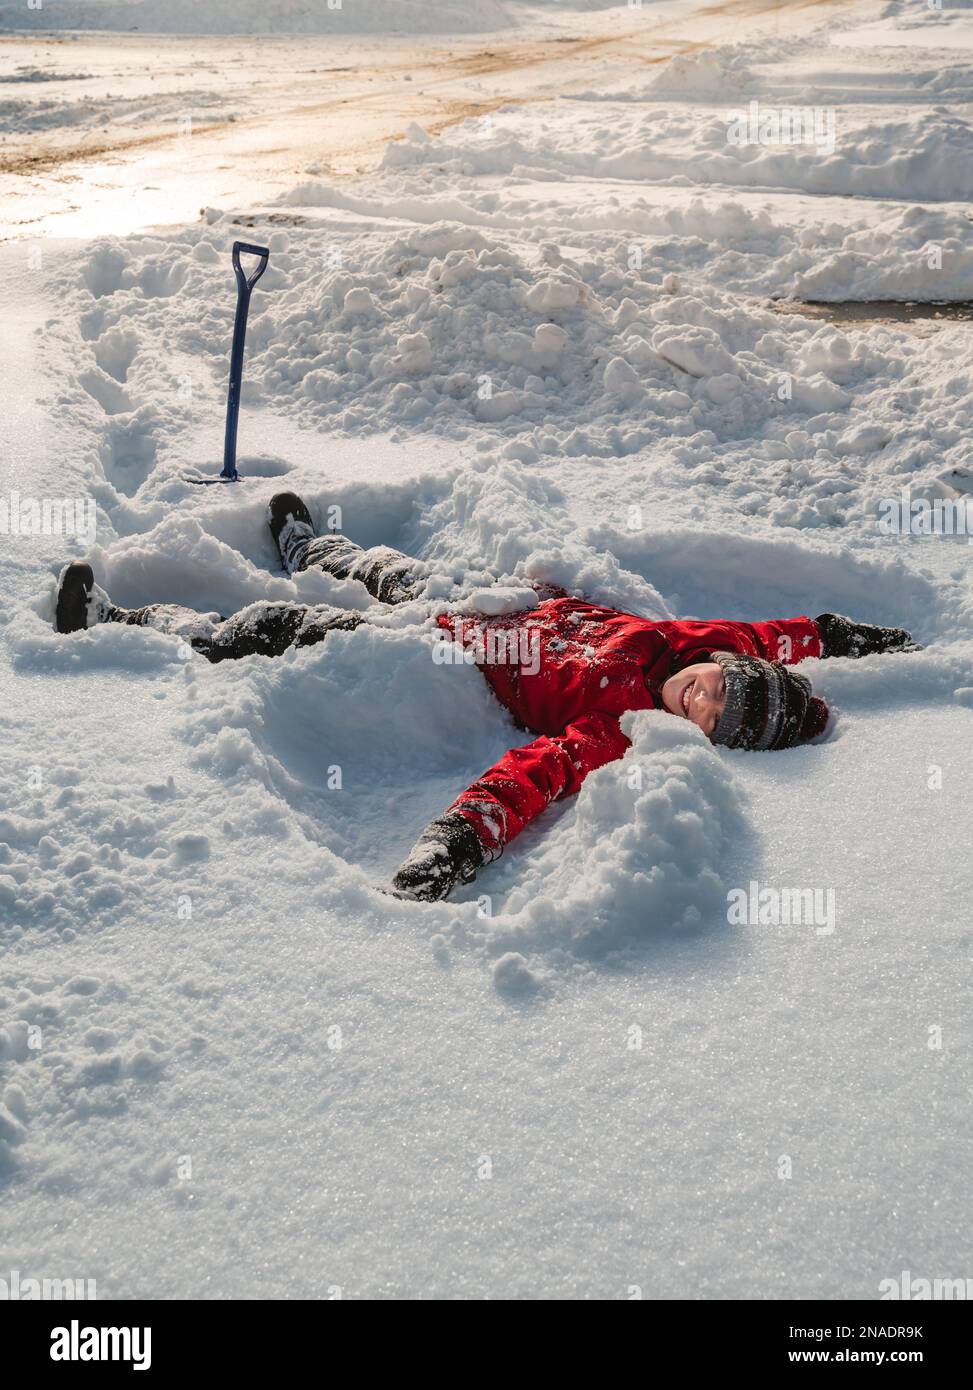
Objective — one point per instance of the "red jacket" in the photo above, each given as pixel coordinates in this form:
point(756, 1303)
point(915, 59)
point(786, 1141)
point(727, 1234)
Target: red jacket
point(566, 670)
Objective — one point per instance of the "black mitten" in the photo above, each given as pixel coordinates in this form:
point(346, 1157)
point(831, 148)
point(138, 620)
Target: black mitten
point(446, 853)
point(842, 637)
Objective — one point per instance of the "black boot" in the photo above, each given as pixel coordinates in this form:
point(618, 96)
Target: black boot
point(289, 519)
point(74, 591)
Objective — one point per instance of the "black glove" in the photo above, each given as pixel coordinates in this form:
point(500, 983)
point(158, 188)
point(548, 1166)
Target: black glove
point(446, 853)
point(842, 637)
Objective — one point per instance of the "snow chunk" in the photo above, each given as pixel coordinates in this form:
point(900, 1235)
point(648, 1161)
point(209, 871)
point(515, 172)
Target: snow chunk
point(499, 599)
point(696, 350)
point(549, 342)
point(359, 301)
point(717, 72)
point(513, 976)
point(642, 853)
point(414, 353)
point(620, 376)
point(192, 848)
point(550, 294)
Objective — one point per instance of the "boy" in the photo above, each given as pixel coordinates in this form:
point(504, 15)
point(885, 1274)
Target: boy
point(731, 679)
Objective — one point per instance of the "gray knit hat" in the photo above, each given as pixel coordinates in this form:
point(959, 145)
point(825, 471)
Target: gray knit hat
point(767, 705)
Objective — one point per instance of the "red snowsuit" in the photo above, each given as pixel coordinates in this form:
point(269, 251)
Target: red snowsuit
point(594, 664)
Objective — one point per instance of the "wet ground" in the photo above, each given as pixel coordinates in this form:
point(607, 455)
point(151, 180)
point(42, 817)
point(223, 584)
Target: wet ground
point(853, 313)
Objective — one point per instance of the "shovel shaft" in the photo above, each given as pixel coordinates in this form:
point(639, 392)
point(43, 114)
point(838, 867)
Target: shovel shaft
point(245, 286)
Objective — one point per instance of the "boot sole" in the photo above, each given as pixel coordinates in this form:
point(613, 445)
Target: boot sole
point(72, 598)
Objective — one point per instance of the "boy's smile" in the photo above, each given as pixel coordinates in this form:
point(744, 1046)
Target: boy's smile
point(697, 693)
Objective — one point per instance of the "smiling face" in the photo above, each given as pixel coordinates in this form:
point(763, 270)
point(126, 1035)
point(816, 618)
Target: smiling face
point(697, 693)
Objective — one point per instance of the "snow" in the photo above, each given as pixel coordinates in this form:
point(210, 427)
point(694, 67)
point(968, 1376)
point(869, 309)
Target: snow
point(646, 843)
point(933, 26)
point(544, 349)
point(326, 17)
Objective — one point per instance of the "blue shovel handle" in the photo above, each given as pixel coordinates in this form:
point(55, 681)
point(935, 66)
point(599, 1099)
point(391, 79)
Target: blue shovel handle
point(245, 284)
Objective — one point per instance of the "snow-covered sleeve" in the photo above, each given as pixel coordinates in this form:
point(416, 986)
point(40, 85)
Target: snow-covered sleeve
point(517, 788)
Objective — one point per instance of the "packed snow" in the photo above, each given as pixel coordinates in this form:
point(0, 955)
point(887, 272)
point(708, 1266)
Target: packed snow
point(542, 346)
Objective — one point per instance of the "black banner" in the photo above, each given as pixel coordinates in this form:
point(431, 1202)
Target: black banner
point(171, 1338)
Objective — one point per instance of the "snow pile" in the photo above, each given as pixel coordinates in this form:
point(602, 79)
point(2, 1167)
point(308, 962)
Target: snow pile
point(946, 26)
point(30, 114)
point(911, 156)
point(642, 853)
point(558, 352)
point(529, 351)
point(916, 157)
point(717, 73)
point(929, 255)
point(502, 520)
point(905, 15)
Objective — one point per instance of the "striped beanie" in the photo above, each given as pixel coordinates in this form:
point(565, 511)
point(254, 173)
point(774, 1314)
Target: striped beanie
point(767, 705)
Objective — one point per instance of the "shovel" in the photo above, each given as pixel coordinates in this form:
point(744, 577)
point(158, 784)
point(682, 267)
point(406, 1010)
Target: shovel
point(245, 284)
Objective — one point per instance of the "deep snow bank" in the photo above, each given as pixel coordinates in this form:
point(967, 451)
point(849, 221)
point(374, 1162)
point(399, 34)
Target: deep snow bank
point(648, 841)
point(537, 349)
point(917, 156)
